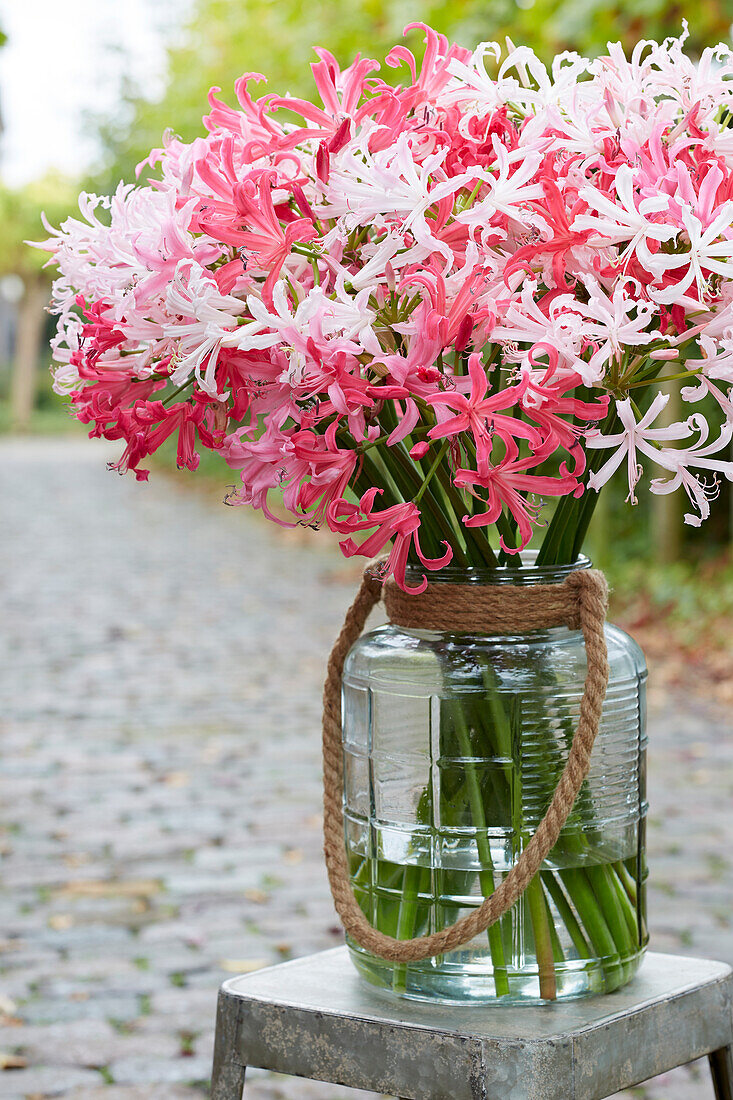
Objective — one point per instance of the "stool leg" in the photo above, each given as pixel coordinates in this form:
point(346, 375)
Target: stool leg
point(721, 1068)
point(227, 1074)
point(227, 1082)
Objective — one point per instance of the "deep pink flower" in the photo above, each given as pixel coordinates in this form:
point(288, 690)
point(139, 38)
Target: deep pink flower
point(505, 483)
point(479, 415)
point(401, 522)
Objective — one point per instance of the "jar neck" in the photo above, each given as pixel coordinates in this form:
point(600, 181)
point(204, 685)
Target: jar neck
point(521, 571)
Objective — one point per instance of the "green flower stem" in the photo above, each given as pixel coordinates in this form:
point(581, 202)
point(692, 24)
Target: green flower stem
point(412, 482)
point(609, 905)
point(542, 939)
point(413, 883)
point(557, 948)
point(431, 472)
point(619, 916)
point(628, 880)
point(603, 887)
point(595, 924)
point(486, 876)
point(477, 544)
point(403, 485)
point(537, 908)
point(567, 916)
point(627, 908)
point(509, 538)
point(447, 501)
point(178, 390)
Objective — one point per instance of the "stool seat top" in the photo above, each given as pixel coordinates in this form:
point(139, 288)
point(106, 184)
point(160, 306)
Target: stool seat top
point(328, 983)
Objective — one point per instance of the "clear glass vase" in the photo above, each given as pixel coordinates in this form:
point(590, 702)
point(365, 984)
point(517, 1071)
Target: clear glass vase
point(453, 744)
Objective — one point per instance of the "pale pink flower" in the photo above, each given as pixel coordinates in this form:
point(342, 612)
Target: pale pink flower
point(206, 318)
point(628, 220)
point(700, 490)
point(636, 437)
point(710, 248)
point(614, 323)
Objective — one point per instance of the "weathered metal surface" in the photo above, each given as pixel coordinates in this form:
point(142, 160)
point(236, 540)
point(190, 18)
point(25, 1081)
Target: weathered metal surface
point(227, 1076)
point(315, 1018)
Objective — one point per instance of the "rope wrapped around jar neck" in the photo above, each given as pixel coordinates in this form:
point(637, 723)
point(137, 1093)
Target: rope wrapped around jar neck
point(487, 609)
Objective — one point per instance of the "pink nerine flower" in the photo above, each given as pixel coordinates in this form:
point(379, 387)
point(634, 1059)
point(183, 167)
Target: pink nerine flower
point(400, 523)
point(506, 483)
point(479, 415)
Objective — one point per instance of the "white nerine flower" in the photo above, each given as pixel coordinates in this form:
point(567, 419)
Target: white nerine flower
point(626, 220)
point(711, 247)
point(615, 323)
point(318, 315)
point(561, 328)
point(206, 317)
point(700, 490)
point(507, 191)
point(366, 188)
point(637, 437)
point(715, 367)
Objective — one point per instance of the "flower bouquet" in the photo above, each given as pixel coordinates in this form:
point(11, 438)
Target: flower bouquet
point(436, 315)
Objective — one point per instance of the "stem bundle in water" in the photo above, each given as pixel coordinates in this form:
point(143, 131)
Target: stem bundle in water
point(476, 732)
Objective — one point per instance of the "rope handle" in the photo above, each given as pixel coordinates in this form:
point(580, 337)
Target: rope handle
point(585, 599)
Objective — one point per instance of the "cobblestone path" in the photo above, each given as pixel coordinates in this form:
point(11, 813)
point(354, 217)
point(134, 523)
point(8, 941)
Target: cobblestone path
point(160, 673)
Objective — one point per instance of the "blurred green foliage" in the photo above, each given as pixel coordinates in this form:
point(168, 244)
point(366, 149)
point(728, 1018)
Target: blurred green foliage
point(224, 38)
point(51, 416)
point(20, 219)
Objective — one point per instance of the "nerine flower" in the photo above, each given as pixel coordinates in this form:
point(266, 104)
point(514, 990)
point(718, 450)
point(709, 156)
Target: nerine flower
point(682, 462)
point(432, 292)
point(479, 415)
point(399, 523)
point(638, 437)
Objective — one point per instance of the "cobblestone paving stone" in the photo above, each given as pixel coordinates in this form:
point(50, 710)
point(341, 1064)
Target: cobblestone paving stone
point(160, 673)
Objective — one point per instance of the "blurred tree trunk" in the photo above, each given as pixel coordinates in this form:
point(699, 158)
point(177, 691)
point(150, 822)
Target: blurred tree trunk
point(730, 500)
point(666, 517)
point(29, 336)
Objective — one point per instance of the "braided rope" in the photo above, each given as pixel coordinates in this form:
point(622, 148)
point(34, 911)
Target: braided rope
point(581, 600)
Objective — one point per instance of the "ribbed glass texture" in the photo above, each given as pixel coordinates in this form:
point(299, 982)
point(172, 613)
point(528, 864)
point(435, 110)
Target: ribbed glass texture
point(452, 748)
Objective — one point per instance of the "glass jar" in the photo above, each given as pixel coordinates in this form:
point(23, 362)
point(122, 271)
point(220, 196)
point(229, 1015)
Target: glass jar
point(453, 745)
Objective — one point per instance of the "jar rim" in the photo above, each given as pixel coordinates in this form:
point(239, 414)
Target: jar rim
point(523, 570)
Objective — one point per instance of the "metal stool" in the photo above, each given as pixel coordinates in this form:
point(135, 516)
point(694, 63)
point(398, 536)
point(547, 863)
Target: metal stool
point(314, 1017)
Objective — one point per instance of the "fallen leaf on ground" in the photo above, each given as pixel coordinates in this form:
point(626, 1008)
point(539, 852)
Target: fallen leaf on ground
point(12, 1061)
point(91, 888)
point(176, 779)
point(60, 922)
point(257, 896)
point(242, 966)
